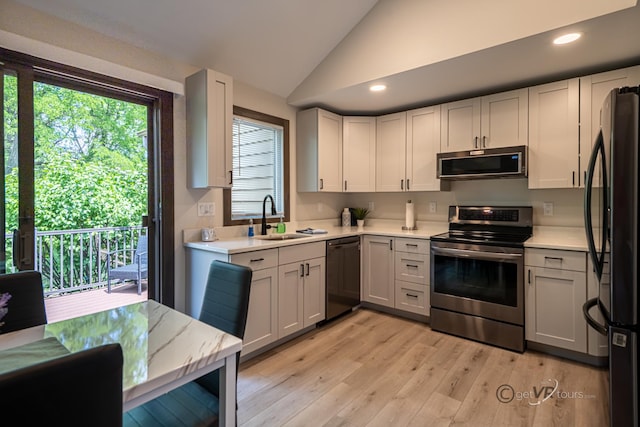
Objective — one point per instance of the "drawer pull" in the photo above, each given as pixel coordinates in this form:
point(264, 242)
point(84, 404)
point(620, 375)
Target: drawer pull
point(413, 245)
point(553, 258)
point(257, 260)
point(412, 295)
point(412, 265)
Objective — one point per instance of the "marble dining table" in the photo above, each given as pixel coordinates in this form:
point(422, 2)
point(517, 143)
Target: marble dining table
point(162, 347)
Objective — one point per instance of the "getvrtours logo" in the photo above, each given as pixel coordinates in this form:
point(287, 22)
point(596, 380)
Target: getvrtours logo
point(547, 389)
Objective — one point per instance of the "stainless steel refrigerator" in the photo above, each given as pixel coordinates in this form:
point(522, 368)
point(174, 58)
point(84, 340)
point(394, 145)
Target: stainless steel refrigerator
point(612, 227)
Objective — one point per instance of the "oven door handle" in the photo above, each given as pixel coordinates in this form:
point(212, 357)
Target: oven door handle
point(464, 253)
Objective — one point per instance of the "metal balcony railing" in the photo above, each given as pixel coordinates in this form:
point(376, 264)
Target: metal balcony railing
point(74, 260)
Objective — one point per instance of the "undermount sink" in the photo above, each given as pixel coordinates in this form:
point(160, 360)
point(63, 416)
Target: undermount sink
point(282, 236)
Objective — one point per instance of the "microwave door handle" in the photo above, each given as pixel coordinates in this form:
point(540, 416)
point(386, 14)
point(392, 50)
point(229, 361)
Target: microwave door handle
point(588, 222)
point(600, 328)
point(464, 253)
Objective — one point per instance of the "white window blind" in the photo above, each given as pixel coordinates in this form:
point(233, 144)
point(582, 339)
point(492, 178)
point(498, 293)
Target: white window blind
point(257, 167)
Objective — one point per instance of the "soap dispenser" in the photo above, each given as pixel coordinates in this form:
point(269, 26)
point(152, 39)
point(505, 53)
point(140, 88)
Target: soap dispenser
point(281, 228)
point(250, 233)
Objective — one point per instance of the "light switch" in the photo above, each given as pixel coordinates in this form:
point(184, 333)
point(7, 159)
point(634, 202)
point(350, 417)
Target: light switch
point(206, 209)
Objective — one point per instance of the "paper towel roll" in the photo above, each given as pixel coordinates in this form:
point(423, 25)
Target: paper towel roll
point(410, 219)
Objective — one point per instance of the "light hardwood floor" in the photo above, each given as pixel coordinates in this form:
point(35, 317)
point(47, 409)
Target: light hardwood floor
point(374, 369)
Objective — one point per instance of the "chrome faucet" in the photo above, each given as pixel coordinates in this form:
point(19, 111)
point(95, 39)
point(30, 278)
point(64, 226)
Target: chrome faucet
point(263, 229)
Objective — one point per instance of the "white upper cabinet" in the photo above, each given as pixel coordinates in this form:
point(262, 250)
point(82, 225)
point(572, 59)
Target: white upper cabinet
point(498, 120)
point(391, 136)
point(319, 151)
point(553, 135)
point(593, 90)
point(359, 154)
point(209, 103)
point(423, 143)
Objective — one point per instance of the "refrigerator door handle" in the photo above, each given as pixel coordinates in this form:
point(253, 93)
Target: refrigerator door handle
point(598, 259)
point(601, 329)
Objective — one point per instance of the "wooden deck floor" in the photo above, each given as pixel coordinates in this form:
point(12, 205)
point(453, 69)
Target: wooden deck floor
point(68, 306)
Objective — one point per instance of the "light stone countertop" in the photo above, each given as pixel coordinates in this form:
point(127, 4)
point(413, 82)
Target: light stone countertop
point(235, 245)
point(564, 238)
point(544, 237)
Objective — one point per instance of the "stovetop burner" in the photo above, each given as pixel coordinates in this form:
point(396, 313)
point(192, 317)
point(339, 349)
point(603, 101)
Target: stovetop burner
point(504, 226)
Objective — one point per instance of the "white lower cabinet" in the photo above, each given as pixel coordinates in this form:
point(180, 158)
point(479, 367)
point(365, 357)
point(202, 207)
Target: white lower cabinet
point(378, 272)
point(412, 275)
point(555, 290)
point(301, 287)
point(262, 319)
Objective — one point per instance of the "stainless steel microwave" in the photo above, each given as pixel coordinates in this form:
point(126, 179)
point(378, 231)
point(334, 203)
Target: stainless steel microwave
point(506, 162)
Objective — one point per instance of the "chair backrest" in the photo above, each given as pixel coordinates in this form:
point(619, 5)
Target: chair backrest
point(225, 306)
point(23, 301)
point(81, 389)
point(141, 250)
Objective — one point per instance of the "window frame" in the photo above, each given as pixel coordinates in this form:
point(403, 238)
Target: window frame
point(226, 194)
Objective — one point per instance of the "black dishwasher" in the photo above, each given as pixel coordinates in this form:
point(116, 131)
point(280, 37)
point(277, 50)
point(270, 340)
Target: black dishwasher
point(343, 275)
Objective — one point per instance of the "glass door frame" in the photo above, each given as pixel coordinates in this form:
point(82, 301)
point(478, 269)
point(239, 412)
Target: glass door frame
point(160, 220)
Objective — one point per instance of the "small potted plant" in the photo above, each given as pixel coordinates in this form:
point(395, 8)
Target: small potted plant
point(360, 214)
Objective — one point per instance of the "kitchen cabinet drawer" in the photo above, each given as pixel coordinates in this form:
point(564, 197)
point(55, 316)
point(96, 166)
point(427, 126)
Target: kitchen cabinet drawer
point(257, 260)
point(296, 253)
point(412, 297)
point(412, 268)
point(564, 260)
point(416, 246)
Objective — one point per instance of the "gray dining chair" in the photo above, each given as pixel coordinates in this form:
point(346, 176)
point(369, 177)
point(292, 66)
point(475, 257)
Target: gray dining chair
point(21, 301)
point(225, 307)
point(77, 390)
point(136, 270)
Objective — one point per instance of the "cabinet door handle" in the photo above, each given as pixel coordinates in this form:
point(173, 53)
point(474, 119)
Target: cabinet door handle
point(390, 245)
point(307, 269)
point(345, 185)
point(301, 270)
point(529, 276)
point(584, 178)
point(257, 260)
point(230, 177)
point(321, 183)
point(408, 184)
point(402, 184)
point(475, 142)
point(573, 178)
point(484, 142)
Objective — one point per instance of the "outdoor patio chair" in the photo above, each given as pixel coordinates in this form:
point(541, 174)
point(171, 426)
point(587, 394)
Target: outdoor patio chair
point(21, 301)
point(137, 270)
point(225, 306)
point(76, 390)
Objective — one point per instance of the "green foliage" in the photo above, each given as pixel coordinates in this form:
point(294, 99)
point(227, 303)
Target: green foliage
point(90, 159)
point(360, 213)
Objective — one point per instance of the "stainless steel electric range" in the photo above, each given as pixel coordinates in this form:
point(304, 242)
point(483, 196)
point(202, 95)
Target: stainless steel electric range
point(477, 274)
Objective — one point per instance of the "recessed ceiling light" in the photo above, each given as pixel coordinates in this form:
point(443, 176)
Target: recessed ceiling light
point(567, 38)
point(377, 88)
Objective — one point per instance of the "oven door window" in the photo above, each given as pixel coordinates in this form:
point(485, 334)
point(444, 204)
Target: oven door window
point(491, 281)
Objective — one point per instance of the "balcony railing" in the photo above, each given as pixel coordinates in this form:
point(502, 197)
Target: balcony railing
point(74, 260)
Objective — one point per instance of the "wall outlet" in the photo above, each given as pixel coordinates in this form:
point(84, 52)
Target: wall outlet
point(433, 207)
point(371, 207)
point(206, 209)
point(547, 209)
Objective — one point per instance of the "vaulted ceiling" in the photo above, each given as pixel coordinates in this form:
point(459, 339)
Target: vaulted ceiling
point(328, 52)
